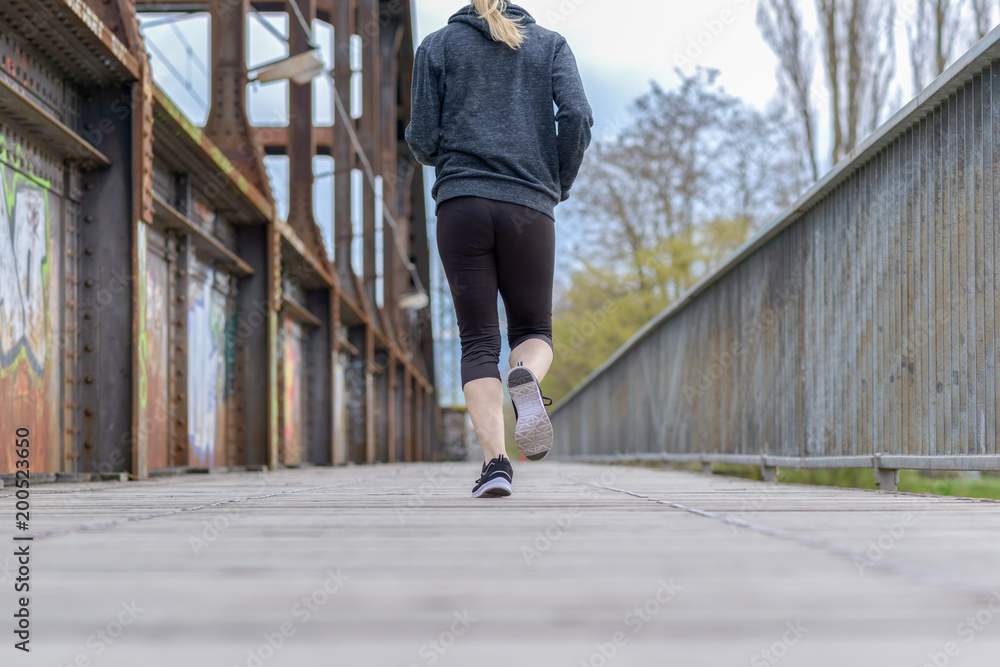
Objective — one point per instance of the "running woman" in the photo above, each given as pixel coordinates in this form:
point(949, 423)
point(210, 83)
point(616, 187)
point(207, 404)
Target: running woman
point(482, 115)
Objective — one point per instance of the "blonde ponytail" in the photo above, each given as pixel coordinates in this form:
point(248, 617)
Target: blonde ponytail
point(502, 29)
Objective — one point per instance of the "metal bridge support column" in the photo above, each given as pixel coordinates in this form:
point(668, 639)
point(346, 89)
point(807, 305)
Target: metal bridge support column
point(370, 413)
point(369, 135)
point(407, 415)
point(343, 149)
point(253, 341)
point(392, 391)
point(320, 380)
point(336, 374)
point(107, 274)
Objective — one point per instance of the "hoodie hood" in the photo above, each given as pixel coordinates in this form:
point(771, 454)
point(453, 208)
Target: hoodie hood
point(468, 14)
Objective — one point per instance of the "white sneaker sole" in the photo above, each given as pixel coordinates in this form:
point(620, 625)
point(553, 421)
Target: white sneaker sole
point(533, 431)
point(496, 487)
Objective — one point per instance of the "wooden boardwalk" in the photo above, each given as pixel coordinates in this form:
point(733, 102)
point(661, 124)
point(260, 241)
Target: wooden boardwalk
point(396, 565)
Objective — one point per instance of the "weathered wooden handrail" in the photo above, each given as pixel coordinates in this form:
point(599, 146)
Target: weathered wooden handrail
point(857, 329)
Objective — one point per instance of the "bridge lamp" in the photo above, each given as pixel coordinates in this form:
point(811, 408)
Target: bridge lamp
point(300, 68)
point(414, 300)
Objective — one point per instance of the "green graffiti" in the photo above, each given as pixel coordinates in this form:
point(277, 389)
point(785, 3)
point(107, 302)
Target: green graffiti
point(25, 235)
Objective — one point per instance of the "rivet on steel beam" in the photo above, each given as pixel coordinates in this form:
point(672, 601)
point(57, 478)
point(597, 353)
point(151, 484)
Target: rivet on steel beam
point(88, 186)
point(181, 347)
point(89, 379)
point(88, 250)
point(88, 411)
point(89, 282)
point(88, 218)
point(89, 347)
point(88, 126)
point(89, 315)
point(88, 444)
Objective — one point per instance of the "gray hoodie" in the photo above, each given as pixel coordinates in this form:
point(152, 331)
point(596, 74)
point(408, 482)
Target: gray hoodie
point(481, 113)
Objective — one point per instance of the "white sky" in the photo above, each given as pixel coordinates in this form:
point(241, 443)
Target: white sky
point(620, 46)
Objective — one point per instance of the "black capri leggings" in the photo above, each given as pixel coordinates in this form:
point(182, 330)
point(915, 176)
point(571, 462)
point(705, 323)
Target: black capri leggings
point(488, 246)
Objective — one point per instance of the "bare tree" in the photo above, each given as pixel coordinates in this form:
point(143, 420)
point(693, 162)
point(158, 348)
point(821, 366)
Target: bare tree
point(856, 48)
point(858, 45)
point(982, 11)
point(690, 156)
point(932, 36)
point(780, 23)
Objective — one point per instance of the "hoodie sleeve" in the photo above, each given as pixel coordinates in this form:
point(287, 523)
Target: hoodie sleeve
point(423, 133)
point(574, 116)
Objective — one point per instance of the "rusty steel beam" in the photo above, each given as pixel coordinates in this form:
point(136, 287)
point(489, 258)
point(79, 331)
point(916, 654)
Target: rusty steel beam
point(370, 410)
point(275, 139)
point(391, 409)
point(228, 126)
point(369, 135)
point(390, 38)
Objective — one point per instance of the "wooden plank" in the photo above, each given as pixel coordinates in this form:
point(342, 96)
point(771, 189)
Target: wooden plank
point(910, 339)
point(978, 282)
point(940, 275)
point(954, 380)
point(991, 211)
point(413, 561)
point(966, 390)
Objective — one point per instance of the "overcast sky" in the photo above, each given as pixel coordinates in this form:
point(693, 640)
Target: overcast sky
point(620, 46)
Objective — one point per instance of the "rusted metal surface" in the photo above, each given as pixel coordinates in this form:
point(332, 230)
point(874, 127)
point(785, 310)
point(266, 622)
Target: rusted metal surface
point(157, 356)
point(163, 260)
point(859, 327)
point(227, 124)
point(292, 393)
point(31, 368)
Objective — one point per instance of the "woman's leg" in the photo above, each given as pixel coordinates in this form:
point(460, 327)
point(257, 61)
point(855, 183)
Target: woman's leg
point(535, 354)
point(484, 397)
point(525, 267)
point(466, 241)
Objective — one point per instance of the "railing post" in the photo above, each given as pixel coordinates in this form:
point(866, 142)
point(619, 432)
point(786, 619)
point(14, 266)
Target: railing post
point(768, 473)
point(886, 479)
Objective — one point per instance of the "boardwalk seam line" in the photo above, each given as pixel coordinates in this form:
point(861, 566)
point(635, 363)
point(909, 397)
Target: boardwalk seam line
point(916, 572)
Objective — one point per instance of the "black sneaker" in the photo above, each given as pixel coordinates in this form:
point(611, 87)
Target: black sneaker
point(532, 430)
point(495, 480)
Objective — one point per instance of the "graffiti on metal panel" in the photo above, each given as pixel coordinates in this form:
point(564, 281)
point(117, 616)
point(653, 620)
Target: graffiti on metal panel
point(207, 371)
point(23, 271)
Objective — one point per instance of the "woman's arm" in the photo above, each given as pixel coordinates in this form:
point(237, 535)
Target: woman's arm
point(574, 116)
point(423, 134)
